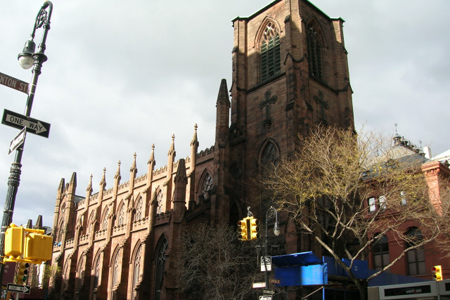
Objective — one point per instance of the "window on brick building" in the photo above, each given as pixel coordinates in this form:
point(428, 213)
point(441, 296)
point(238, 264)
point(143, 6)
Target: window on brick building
point(105, 219)
point(160, 265)
point(207, 186)
point(381, 253)
point(314, 43)
point(159, 202)
point(80, 275)
point(96, 276)
point(415, 258)
point(375, 204)
point(136, 271)
point(139, 210)
point(121, 216)
point(60, 231)
point(270, 51)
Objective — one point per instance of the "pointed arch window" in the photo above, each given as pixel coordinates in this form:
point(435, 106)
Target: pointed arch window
point(105, 219)
point(80, 277)
point(139, 210)
point(121, 216)
point(96, 275)
point(91, 223)
point(159, 201)
point(160, 264)
point(136, 271)
point(207, 185)
point(270, 51)
point(115, 273)
point(270, 155)
point(313, 41)
point(60, 231)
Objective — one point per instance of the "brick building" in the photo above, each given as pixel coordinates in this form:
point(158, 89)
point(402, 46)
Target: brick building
point(290, 72)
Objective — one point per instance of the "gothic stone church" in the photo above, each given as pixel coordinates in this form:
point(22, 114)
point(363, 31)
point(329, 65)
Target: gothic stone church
point(290, 72)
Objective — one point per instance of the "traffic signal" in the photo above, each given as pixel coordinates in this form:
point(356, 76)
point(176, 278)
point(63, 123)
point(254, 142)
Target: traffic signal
point(14, 241)
point(22, 274)
point(244, 229)
point(437, 273)
point(254, 228)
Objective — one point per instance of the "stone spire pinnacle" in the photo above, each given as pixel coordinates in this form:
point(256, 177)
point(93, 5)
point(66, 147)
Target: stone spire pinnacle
point(117, 176)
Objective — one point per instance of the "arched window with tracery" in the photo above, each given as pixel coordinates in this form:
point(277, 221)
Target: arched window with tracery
point(80, 276)
point(60, 231)
point(136, 271)
point(96, 275)
point(159, 202)
point(159, 267)
point(270, 51)
point(115, 273)
point(91, 223)
point(121, 215)
point(105, 219)
point(314, 44)
point(207, 186)
point(139, 210)
point(270, 155)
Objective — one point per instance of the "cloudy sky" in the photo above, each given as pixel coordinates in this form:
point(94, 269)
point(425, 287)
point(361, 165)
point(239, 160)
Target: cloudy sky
point(122, 76)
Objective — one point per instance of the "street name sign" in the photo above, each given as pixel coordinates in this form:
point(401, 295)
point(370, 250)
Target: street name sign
point(19, 121)
point(258, 285)
point(14, 83)
point(18, 288)
point(18, 140)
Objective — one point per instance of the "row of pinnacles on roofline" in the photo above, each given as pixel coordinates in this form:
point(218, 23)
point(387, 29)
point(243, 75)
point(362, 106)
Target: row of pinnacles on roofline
point(135, 204)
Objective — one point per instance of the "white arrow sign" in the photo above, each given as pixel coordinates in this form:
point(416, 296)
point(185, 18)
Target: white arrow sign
point(37, 127)
point(17, 141)
point(24, 289)
point(19, 121)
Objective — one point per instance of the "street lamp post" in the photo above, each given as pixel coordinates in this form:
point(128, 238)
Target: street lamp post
point(27, 58)
point(270, 214)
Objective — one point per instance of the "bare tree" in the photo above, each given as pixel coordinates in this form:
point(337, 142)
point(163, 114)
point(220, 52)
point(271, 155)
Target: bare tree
point(347, 191)
point(215, 264)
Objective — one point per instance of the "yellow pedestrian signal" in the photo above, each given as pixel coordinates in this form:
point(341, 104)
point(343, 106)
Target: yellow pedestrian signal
point(437, 273)
point(38, 247)
point(27, 245)
point(254, 229)
point(14, 241)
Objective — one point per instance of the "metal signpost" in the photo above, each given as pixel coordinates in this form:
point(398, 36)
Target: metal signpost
point(28, 58)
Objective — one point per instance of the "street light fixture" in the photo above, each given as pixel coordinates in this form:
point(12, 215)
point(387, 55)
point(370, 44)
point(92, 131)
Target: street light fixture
point(270, 214)
point(27, 58)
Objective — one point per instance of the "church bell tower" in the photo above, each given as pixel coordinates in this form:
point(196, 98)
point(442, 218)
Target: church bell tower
point(290, 73)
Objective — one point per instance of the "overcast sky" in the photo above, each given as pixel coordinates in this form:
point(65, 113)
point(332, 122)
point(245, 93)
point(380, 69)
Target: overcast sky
point(122, 76)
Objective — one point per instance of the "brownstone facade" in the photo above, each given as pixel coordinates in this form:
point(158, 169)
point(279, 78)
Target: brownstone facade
point(290, 72)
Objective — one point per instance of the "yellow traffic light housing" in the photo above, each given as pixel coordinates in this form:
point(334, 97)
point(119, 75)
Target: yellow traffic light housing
point(38, 247)
point(22, 273)
point(437, 273)
point(254, 228)
point(244, 229)
point(27, 245)
point(14, 241)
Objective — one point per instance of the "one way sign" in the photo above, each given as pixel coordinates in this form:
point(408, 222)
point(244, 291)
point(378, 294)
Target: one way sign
point(19, 121)
point(24, 289)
